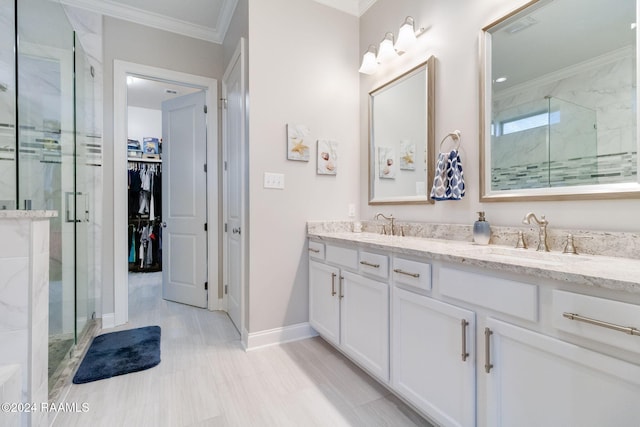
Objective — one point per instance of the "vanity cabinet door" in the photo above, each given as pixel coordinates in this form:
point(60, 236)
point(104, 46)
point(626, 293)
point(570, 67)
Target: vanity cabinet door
point(429, 339)
point(324, 303)
point(365, 323)
point(537, 380)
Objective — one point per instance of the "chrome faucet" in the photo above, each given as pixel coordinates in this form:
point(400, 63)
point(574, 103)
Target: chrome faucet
point(542, 230)
point(389, 218)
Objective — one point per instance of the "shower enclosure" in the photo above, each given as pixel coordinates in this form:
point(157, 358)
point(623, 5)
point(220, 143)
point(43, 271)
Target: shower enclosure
point(47, 154)
point(547, 142)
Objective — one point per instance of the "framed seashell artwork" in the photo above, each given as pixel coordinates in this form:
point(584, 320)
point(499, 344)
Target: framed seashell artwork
point(387, 162)
point(327, 157)
point(297, 142)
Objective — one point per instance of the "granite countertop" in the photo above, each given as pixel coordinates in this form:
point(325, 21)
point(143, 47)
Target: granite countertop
point(615, 273)
point(22, 214)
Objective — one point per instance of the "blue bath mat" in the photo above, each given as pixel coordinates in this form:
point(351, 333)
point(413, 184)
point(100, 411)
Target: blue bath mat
point(119, 353)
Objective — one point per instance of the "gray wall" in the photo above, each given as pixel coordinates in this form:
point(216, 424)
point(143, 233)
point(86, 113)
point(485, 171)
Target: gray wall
point(131, 42)
point(304, 70)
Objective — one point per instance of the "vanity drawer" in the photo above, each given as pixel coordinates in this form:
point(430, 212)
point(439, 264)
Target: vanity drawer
point(412, 273)
point(345, 257)
point(613, 319)
point(511, 297)
point(374, 264)
point(316, 250)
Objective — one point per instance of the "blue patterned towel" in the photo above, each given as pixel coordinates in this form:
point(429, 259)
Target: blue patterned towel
point(448, 182)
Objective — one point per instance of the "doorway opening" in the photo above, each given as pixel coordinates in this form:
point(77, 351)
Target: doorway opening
point(144, 169)
point(147, 106)
point(136, 118)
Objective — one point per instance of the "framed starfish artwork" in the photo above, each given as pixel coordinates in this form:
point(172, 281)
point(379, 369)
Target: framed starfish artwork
point(298, 147)
point(407, 155)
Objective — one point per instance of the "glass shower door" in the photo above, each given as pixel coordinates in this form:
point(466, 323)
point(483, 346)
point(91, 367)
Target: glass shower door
point(7, 106)
point(84, 185)
point(46, 158)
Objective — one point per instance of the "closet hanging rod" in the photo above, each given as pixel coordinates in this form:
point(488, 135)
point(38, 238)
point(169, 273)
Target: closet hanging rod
point(144, 160)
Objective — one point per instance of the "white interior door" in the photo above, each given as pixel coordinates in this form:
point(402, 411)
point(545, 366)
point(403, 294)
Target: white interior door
point(184, 201)
point(233, 116)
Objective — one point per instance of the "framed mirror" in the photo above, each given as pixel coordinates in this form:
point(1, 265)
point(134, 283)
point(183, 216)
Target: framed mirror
point(558, 113)
point(401, 138)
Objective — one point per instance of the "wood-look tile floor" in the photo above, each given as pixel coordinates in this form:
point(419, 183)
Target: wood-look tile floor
point(205, 378)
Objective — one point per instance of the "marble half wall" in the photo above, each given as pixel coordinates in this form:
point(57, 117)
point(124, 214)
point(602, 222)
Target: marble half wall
point(24, 303)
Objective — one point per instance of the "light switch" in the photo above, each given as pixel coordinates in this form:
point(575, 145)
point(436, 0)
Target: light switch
point(274, 180)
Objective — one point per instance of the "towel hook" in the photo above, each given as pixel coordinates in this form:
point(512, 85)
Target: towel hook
point(455, 135)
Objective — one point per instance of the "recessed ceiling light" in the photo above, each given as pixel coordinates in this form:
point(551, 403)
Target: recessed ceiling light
point(500, 80)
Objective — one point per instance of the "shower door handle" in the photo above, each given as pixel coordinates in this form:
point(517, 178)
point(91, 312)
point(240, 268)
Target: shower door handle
point(70, 199)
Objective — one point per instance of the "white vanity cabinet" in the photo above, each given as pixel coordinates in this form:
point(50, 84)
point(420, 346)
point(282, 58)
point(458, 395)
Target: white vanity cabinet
point(349, 309)
point(364, 323)
point(433, 353)
point(324, 303)
point(537, 380)
point(479, 344)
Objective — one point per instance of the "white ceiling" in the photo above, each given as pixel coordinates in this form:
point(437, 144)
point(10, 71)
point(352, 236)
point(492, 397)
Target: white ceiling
point(201, 19)
point(147, 93)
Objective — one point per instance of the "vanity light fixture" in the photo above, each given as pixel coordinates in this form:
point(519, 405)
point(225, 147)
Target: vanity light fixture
point(407, 38)
point(369, 62)
point(406, 35)
point(386, 52)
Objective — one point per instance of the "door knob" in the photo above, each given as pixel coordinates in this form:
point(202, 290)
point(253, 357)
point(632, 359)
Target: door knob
point(164, 224)
point(236, 230)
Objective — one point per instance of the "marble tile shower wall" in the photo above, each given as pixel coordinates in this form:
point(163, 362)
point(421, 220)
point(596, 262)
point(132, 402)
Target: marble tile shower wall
point(584, 86)
point(590, 242)
point(24, 298)
point(603, 169)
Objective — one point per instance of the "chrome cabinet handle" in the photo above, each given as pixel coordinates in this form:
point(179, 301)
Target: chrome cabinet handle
point(487, 350)
point(341, 287)
point(397, 270)
point(316, 251)
point(463, 325)
point(369, 264)
point(333, 284)
point(624, 329)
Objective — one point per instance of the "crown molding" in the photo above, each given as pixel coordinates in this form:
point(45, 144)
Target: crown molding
point(352, 7)
point(162, 22)
point(365, 5)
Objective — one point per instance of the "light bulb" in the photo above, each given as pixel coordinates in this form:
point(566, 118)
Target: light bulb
point(369, 63)
point(406, 36)
point(386, 51)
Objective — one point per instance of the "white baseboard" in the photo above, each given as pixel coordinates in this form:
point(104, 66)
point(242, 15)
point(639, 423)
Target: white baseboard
point(255, 340)
point(108, 321)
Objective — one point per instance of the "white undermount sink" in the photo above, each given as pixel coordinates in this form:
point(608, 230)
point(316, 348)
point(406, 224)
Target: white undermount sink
point(527, 255)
